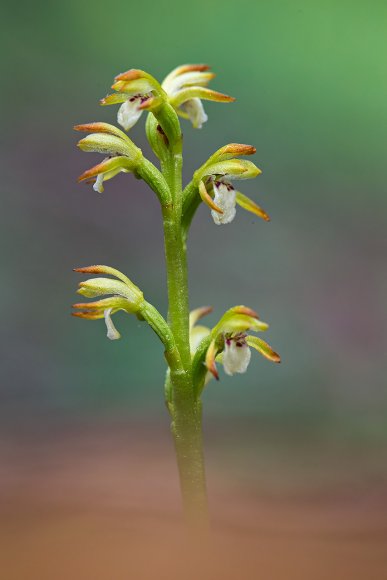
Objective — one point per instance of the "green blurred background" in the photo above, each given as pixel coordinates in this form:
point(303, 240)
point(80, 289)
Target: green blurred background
point(311, 88)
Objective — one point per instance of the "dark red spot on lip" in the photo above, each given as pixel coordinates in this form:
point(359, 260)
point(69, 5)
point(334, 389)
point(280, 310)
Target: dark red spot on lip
point(139, 97)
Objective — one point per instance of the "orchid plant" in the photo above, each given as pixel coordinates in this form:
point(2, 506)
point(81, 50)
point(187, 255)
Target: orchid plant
point(192, 351)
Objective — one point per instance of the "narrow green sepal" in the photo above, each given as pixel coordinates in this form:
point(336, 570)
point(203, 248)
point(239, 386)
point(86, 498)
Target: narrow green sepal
point(110, 145)
point(263, 348)
point(101, 286)
point(235, 168)
point(250, 206)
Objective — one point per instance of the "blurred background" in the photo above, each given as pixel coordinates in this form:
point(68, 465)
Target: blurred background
point(298, 446)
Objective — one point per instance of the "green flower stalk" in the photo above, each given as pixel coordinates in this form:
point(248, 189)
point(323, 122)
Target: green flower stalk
point(192, 351)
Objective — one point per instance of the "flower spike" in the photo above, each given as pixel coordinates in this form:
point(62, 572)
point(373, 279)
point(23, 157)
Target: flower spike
point(193, 352)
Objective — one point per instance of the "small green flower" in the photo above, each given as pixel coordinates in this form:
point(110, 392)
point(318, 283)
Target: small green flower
point(124, 295)
point(230, 342)
point(122, 153)
point(215, 183)
point(184, 89)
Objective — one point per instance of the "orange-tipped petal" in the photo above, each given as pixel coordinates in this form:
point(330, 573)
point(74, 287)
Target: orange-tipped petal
point(210, 95)
point(131, 75)
point(88, 315)
point(189, 68)
point(210, 360)
point(93, 127)
point(244, 310)
point(198, 313)
point(100, 269)
point(90, 270)
point(108, 165)
point(235, 149)
point(207, 199)
point(201, 93)
point(250, 205)
point(185, 68)
point(229, 152)
point(101, 128)
point(263, 348)
point(114, 99)
point(111, 302)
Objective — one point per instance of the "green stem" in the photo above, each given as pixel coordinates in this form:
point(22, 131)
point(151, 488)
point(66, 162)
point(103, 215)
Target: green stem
point(176, 260)
point(184, 406)
point(187, 434)
point(163, 331)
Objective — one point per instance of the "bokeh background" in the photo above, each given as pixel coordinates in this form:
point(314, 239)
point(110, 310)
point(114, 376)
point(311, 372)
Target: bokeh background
point(311, 88)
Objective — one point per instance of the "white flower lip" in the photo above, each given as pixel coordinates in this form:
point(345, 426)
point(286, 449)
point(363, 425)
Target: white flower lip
point(225, 199)
point(98, 185)
point(129, 112)
point(195, 111)
point(112, 332)
point(236, 356)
